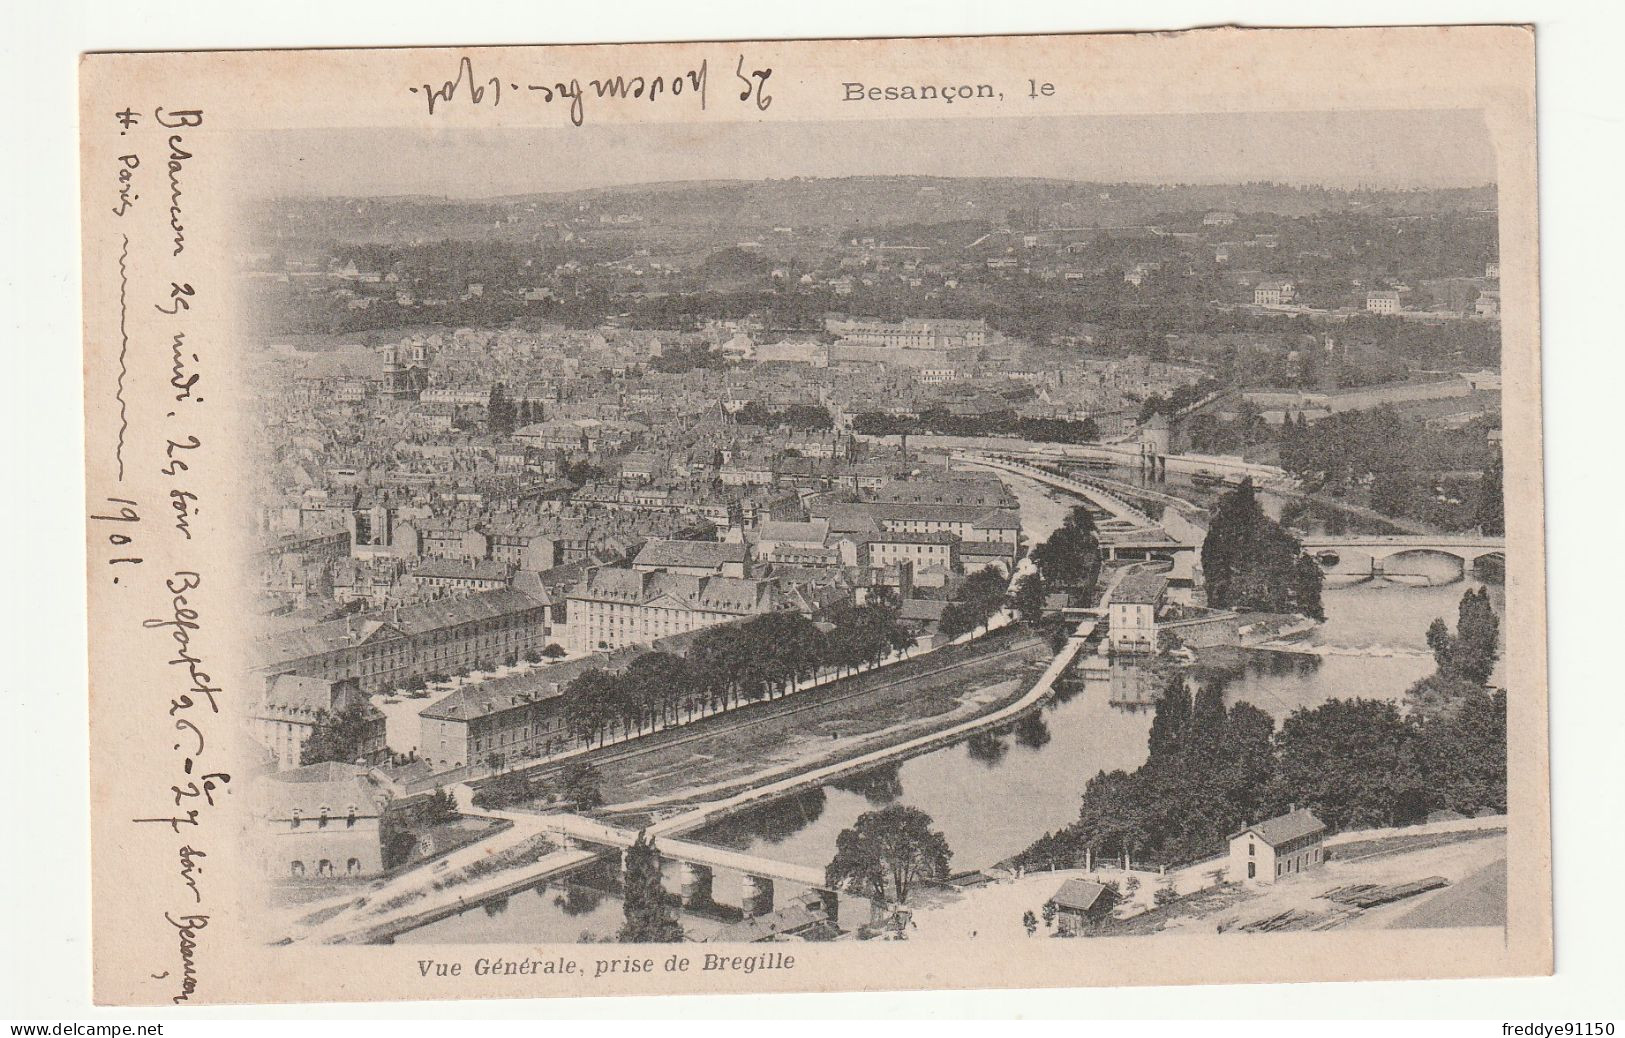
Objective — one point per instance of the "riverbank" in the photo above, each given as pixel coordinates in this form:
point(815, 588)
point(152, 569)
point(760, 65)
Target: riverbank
point(882, 714)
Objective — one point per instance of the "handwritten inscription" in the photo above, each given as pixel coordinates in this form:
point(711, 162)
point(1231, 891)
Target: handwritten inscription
point(691, 85)
point(163, 369)
point(187, 928)
point(178, 156)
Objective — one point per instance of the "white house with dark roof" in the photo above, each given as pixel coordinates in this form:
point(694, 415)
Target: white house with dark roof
point(1278, 847)
point(1273, 293)
point(1132, 612)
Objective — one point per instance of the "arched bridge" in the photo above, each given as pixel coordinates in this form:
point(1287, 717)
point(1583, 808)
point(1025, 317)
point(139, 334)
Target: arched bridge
point(1352, 555)
point(1469, 549)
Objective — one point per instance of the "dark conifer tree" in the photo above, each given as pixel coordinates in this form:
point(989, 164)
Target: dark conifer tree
point(648, 918)
point(1172, 715)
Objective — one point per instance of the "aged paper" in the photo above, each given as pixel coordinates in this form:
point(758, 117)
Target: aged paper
point(771, 516)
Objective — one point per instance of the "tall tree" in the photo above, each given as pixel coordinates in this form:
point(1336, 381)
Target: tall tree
point(1248, 762)
point(342, 736)
point(1252, 562)
point(1471, 652)
point(1491, 510)
point(1111, 820)
point(499, 411)
point(649, 920)
point(1173, 712)
point(578, 783)
point(1071, 557)
point(889, 849)
point(1028, 598)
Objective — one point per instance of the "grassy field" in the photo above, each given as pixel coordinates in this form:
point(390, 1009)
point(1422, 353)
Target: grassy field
point(892, 709)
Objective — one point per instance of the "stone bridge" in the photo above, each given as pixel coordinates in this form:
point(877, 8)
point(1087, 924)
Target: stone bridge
point(698, 864)
point(1372, 555)
point(1347, 555)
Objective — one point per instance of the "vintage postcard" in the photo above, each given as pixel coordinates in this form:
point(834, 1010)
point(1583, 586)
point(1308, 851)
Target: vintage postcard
point(823, 515)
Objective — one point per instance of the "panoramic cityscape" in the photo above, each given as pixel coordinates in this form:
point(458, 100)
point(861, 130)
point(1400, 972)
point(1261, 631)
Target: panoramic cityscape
point(878, 557)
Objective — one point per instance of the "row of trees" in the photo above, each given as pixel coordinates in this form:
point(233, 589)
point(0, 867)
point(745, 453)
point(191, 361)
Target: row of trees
point(991, 423)
point(1357, 763)
point(796, 416)
point(758, 659)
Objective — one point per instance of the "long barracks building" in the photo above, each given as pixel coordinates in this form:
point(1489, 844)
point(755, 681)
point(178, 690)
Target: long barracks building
point(384, 649)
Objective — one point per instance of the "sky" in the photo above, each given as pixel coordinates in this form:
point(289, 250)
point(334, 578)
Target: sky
point(1404, 149)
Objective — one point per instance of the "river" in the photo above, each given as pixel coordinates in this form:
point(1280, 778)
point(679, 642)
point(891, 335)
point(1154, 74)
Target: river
point(992, 795)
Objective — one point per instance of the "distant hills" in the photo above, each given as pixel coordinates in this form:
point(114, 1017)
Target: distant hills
point(805, 204)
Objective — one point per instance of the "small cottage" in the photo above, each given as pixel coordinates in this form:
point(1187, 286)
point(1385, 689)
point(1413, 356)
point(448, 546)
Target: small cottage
point(1080, 903)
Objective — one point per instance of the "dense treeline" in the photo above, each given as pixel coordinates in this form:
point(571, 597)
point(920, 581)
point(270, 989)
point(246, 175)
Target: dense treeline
point(797, 416)
point(1351, 446)
point(1357, 763)
point(991, 423)
point(1448, 478)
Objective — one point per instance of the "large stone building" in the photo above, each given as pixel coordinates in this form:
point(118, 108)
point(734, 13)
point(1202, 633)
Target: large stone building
point(693, 558)
point(923, 551)
point(384, 649)
point(1382, 302)
point(325, 821)
point(966, 522)
point(913, 334)
point(614, 608)
point(959, 488)
point(516, 717)
point(509, 718)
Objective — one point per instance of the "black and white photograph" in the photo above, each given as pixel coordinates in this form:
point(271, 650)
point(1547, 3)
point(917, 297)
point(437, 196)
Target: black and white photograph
point(896, 530)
